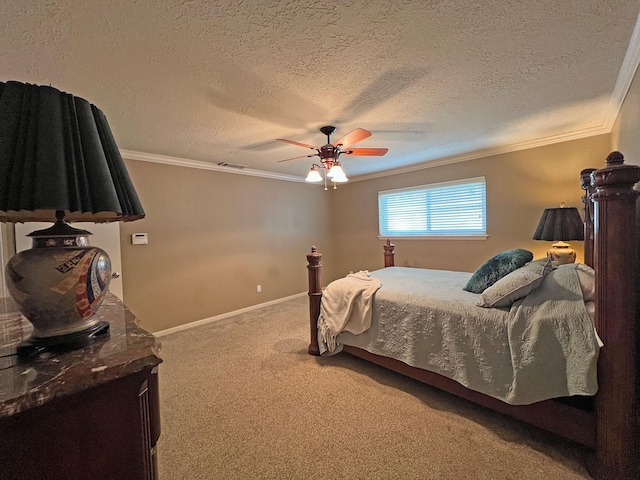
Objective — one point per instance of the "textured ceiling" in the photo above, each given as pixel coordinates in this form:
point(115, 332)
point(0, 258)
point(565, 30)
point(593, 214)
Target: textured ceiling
point(220, 81)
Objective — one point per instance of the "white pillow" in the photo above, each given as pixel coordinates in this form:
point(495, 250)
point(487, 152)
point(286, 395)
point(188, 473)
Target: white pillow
point(517, 284)
point(591, 310)
point(587, 279)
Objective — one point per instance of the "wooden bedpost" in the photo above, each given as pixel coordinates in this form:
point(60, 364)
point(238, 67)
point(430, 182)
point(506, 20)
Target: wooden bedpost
point(388, 254)
point(315, 296)
point(585, 181)
point(615, 261)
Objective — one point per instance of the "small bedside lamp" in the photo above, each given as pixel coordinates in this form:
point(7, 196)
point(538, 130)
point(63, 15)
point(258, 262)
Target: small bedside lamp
point(59, 162)
point(559, 225)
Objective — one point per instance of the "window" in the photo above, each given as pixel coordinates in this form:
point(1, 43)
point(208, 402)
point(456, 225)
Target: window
point(443, 209)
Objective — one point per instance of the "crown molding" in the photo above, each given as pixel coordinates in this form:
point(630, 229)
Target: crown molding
point(625, 77)
point(183, 162)
point(464, 157)
point(488, 152)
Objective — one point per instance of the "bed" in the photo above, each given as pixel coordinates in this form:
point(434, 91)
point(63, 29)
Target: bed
point(603, 416)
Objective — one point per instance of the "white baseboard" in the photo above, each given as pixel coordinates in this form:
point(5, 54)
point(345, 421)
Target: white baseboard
point(204, 321)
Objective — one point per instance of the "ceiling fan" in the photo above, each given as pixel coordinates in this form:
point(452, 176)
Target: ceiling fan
point(329, 154)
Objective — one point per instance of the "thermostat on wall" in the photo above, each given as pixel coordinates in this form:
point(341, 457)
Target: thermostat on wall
point(139, 238)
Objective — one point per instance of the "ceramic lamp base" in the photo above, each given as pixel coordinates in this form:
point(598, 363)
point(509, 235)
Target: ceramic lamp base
point(561, 253)
point(34, 346)
point(58, 285)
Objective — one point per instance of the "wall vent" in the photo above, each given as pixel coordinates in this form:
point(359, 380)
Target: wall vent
point(232, 165)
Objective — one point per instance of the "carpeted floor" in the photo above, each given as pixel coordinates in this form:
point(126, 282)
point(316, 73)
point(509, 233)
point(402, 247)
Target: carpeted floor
point(241, 399)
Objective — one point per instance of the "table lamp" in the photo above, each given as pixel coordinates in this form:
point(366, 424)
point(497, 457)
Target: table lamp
point(560, 225)
point(59, 162)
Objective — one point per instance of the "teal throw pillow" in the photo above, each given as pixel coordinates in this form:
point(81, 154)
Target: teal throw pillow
point(497, 267)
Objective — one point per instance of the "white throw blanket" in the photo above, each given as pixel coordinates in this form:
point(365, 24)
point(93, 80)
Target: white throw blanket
point(346, 306)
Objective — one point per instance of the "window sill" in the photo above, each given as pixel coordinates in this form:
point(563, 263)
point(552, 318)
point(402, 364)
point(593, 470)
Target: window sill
point(436, 237)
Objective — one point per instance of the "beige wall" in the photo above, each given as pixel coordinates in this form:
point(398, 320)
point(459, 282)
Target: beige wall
point(213, 237)
point(625, 135)
point(519, 186)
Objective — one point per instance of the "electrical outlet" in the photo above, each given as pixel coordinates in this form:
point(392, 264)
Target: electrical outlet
point(259, 288)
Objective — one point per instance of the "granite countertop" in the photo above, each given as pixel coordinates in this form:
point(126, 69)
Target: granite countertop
point(25, 384)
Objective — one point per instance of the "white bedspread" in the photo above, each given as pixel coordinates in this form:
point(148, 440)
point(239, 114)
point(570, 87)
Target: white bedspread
point(543, 347)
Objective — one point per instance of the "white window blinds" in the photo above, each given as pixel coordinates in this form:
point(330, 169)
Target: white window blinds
point(451, 208)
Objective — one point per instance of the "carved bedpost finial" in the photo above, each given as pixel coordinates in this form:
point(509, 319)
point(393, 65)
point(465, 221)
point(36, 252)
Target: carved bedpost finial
point(388, 253)
point(585, 178)
point(314, 257)
point(615, 176)
point(585, 183)
point(615, 158)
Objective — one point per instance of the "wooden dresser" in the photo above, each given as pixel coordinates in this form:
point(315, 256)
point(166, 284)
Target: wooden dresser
point(91, 413)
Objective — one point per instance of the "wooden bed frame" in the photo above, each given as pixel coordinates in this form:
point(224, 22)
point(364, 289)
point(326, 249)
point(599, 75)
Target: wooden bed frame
point(611, 425)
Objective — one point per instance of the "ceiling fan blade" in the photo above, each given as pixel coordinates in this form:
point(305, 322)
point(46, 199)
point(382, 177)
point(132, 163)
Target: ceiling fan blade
point(298, 143)
point(369, 152)
point(352, 138)
point(301, 156)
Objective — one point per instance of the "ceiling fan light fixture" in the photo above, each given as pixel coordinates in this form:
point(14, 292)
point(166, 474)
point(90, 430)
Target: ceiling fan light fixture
point(313, 175)
point(335, 170)
point(330, 153)
point(340, 178)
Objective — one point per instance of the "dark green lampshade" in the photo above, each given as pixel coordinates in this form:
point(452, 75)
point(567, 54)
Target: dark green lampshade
point(560, 224)
point(57, 152)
